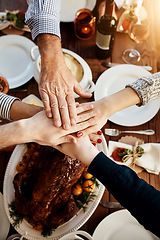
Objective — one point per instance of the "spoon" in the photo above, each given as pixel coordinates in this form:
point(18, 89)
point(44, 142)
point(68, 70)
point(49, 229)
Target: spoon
point(116, 132)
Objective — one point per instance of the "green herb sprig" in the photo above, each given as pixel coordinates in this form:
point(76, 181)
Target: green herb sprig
point(17, 218)
point(46, 232)
point(17, 17)
point(82, 200)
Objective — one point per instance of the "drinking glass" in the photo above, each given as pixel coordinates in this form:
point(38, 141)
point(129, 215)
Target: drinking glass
point(84, 24)
point(138, 31)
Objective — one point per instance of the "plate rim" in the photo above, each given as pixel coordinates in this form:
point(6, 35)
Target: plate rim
point(127, 216)
point(26, 43)
point(71, 17)
point(5, 218)
point(114, 117)
point(92, 205)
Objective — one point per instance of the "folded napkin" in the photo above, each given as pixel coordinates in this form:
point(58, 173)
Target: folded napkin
point(150, 160)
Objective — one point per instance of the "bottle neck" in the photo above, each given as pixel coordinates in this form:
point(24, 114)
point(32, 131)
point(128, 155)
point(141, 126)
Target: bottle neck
point(109, 8)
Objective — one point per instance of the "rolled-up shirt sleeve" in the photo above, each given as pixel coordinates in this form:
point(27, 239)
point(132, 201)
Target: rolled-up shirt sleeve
point(43, 16)
point(147, 88)
point(5, 105)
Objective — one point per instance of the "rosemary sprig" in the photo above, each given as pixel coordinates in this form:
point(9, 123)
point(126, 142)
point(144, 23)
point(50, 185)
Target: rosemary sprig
point(95, 182)
point(82, 200)
point(17, 218)
point(46, 232)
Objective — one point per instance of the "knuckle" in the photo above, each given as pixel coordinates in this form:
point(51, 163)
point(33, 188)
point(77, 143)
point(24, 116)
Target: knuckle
point(71, 105)
point(62, 106)
point(45, 101)
point(43, 90)
point(92, 120)
point(54, 105)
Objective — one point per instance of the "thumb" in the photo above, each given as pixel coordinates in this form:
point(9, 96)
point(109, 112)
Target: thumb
point(80, 91)
point(67, 139)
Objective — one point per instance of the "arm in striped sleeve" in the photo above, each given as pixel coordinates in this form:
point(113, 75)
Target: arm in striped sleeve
point(5, 105)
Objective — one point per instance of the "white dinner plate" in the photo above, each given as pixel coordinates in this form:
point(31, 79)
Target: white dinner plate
point(15, 60)
point(121, 225)
point(115, 79)
point(4, 222)
point(72, 225)
point(70, 7)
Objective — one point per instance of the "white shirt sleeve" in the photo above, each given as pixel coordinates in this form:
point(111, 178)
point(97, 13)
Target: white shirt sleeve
point(43, 16)
point(5, 105)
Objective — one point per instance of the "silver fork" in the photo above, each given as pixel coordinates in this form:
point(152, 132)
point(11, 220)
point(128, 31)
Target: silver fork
point(116, 132)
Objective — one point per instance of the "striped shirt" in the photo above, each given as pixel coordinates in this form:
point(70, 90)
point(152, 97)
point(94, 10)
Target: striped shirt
point(5, 105)
point(43, 16)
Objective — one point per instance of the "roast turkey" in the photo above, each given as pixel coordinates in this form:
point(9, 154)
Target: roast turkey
point(45, 196)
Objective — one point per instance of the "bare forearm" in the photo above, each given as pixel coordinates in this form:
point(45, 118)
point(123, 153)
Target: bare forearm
point(20, 110)
point(121, 100)
point(13, 133)
point(49, 47)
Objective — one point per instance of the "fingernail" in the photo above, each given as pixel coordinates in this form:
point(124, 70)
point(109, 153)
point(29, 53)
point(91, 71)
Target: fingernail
point(79, 134)
point(91, 105)
point(99, 132)
point(66, 126)
point(99, 140)
point(73, 122)
point(94, 144)
point(57, 123)
point(49, 115)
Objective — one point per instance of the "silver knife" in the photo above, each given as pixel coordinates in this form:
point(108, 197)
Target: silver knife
point(109, 64)
point(107, 204)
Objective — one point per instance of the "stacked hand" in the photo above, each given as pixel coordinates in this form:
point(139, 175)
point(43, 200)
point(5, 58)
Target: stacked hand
point(57, 84)
point(40, 129)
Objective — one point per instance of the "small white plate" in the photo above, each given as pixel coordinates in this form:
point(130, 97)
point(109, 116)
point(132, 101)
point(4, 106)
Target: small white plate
point(15, 60)
point(115, 79)
point(121, 225)
point(32, 99)
point(4, 222)
point(72, 225)
point(70, 7)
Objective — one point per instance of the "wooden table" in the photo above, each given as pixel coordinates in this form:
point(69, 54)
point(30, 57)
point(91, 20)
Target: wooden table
point(86, 49)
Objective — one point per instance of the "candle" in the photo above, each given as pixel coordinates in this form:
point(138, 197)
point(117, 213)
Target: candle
point(86, 30)
point(84, 24)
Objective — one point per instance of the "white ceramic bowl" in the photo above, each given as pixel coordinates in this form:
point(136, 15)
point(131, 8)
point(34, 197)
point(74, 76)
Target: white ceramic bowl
point(86, 82)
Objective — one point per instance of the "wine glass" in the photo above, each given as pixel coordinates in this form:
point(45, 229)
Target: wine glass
point(138, 31)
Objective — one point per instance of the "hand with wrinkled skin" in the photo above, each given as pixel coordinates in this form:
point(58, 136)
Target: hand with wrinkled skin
point(57, 84)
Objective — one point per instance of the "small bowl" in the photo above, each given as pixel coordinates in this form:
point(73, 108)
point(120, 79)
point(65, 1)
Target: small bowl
point(16, 237)
point(81, 67)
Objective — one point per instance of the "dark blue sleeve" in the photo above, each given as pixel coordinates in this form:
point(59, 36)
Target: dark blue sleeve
point(136, 195)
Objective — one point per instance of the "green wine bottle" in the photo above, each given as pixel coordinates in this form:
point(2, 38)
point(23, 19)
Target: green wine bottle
point(106, 28)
